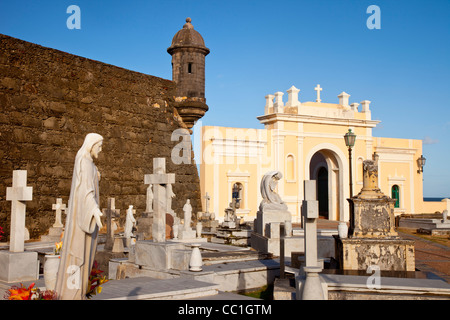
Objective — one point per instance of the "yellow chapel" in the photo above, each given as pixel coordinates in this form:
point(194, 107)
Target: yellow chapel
point(305, 141)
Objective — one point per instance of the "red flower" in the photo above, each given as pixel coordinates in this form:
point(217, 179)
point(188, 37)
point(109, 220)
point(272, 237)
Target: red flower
point(20, 293)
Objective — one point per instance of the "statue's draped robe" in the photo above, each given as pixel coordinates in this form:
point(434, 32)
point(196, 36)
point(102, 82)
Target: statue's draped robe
point(80, 234)
point(129, 222)
point(271, 199)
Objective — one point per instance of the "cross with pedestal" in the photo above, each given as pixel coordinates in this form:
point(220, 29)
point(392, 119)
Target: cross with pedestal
point(18, 194)
point(318, 89)
point(58, 207)
point(312, 288)
point(110, 212)
point(310, 212)
point(17, 265)
point(159, 179)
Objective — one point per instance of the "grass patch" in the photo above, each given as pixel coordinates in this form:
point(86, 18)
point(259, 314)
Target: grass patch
point(264, 293)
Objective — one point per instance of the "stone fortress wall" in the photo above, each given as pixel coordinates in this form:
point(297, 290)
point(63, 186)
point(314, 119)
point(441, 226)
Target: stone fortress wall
point(50, 100)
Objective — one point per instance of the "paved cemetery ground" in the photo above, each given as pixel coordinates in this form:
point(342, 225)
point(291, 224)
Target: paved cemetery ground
point(432, 252)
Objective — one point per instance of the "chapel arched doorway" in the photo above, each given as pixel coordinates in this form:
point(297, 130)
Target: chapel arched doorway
point(326, 167)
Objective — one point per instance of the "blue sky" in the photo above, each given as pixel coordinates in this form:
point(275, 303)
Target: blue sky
point(260, 47)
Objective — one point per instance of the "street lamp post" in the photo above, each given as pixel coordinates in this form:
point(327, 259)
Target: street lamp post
point(350, 139)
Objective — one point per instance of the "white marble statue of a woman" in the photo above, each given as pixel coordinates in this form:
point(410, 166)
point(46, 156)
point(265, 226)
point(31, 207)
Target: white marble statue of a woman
point(130, 222)
point(271, 199)
point(82, 223)
point(187, 209)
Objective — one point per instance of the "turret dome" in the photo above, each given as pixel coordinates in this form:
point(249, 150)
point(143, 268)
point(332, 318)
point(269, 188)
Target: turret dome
point(188, 37)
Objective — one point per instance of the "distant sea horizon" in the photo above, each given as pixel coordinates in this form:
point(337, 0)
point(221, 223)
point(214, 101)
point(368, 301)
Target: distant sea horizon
point(434, 198)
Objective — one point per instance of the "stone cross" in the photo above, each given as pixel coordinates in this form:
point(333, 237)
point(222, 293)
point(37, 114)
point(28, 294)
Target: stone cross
point(207, 198)
point(18, 194)
point(159, 179)
point(310, 212)
point(318, 89)
point(58, 207)
point(110, 212)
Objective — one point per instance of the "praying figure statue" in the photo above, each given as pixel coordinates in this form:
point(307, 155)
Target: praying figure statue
point(82, 223)
point(129, 222)
point(271, 199)
point(187, 209)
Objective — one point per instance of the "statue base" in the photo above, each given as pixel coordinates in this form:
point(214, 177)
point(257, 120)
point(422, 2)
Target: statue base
point(54, 235)
point(388, 254)
point(19, 266)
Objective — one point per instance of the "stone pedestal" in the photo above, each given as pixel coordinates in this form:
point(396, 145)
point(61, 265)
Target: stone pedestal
point(266, 237)
point(187, 234)
point(119, 244)
point(19, 266)
point(236, 237)
point(162, 255)
point(372, 239)
point(54, 235)
point(209, 225)
point(388, 254)
point(265, 217)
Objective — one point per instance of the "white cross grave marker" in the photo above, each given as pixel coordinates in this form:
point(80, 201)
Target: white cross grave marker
point(159, 179)
point(310, 213)
point(318, 89)
point(58, 207)
point(18, 194)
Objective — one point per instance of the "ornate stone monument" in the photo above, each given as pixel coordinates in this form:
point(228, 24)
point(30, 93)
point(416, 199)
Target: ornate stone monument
point(372, 239)
point(272, 212)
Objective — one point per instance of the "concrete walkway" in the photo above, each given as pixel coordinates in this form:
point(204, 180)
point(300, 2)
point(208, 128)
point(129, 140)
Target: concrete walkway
point(431, 256)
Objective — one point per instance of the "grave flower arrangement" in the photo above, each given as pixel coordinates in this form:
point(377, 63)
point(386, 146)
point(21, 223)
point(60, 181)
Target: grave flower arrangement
point(1, 232)
point(95, 281)
point(58, 247)
point(23, 293)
